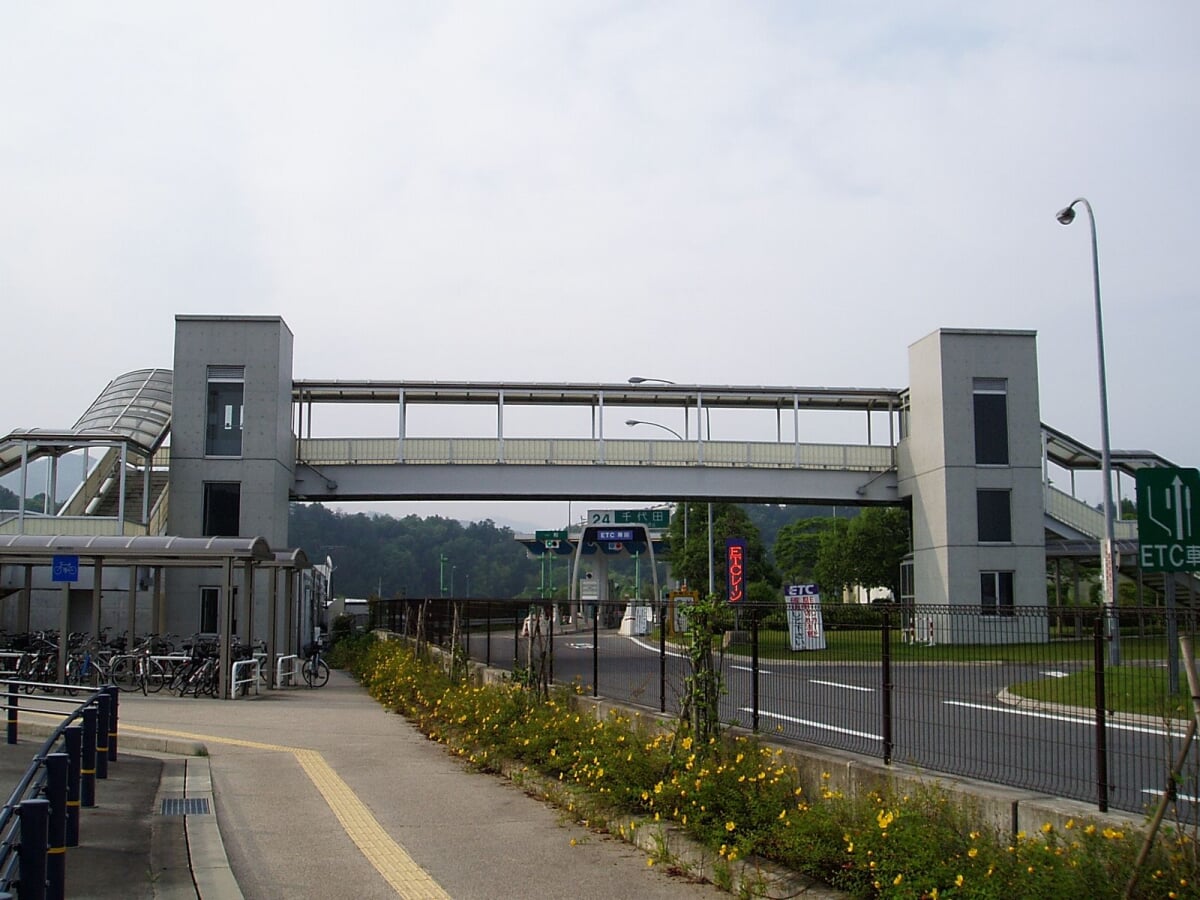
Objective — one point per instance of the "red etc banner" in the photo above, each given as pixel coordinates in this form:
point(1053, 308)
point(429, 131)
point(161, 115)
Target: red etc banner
point(735, 570)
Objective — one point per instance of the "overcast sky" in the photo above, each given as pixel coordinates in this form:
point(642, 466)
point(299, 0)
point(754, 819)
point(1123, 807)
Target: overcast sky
point(741, 193)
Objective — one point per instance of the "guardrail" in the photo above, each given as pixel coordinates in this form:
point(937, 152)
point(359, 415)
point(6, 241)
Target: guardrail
point(40, 820)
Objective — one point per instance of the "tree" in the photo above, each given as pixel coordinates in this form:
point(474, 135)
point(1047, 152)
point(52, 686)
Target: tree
point(878, 541)
point(834, 568)
point(798, 547)
point(689, 559)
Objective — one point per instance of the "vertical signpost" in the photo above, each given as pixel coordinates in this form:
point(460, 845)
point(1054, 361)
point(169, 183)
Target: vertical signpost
point(1168, 501)
point(735, 571)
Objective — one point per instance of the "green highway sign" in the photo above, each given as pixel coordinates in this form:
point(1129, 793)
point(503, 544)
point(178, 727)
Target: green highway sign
point(651, 518)
point(551, 535)
point(1168, 503)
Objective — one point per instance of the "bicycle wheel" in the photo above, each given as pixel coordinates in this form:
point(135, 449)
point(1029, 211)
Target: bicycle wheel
point(155, 676)
point(315, 672)
point(124, 673)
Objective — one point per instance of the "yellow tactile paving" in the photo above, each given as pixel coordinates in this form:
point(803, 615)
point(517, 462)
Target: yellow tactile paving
point(390, 859)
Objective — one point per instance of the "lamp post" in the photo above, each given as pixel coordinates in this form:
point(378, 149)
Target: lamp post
point(442, 560)
point(633, 422)
point(1066, 216)
point(639, 379)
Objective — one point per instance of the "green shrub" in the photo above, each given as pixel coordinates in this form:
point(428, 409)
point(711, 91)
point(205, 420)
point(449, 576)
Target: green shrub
point(740, 798)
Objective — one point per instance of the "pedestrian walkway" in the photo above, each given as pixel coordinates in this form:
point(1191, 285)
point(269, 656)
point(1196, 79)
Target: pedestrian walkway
point(321, 793)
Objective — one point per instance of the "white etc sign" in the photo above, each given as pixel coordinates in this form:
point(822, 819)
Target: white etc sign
point(805, 626)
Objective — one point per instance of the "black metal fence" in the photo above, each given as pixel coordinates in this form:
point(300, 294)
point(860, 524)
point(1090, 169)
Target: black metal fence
point(1030, 699)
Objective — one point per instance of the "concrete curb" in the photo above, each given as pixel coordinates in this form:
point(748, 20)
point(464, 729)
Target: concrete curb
point(200, 867)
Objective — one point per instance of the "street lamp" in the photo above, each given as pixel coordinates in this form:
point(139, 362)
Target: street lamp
point(631, 423)
point(639, 379)
point(1108, 577)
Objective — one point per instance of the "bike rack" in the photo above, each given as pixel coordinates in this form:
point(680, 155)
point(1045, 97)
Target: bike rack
point(252, 665)
point(287, 677)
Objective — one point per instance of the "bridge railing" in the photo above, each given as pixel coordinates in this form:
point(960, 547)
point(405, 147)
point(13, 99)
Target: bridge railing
point(1087, 519)
point(575, 451)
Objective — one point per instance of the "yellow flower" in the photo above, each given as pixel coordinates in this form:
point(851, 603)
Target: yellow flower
point(973, 852)
point(1047, 828)
point(898, 879)
point(958, 882)
point(729, 826)
point(649, 861)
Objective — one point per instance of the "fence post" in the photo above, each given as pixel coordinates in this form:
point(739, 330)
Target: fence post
point(113, 692)
point(754, 669)
point(87, 759)
point(1101, 719)
point(35, 822)
point(662, 655)
point(487, 605)
point(553, 609)
point(12, 712)
point(596, 649)
point(56, 853)
point(516, 637)
point(885, 658)
point(102, 704)
point(73, 740)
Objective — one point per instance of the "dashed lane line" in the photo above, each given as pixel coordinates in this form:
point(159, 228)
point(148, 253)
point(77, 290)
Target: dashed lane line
point(388, 858)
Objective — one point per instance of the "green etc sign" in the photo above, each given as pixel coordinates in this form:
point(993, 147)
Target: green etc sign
point(1168, 502)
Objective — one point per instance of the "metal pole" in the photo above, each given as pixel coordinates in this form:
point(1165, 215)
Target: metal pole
point(31, 851)
point(73, 740)
point(1101, 721)
point(662, 655)
point(886, 676)
point(12, 712)
point(87, 760)
point(56, 793)
point(1107, 562)
point(754, 669)
point(712, 588)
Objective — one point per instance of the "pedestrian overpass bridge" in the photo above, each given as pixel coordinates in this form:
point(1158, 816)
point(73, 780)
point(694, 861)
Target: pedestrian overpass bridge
point(507, 467)
point(962, 447)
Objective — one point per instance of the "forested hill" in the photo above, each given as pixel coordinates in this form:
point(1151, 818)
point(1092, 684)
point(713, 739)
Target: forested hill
point(381, 555)
point(377, 554)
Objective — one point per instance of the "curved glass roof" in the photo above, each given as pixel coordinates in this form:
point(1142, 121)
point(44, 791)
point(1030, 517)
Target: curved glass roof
point(136, 405)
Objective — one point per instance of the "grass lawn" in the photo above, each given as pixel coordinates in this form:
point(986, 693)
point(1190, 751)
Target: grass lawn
point(1131, 689)
point(864, 645)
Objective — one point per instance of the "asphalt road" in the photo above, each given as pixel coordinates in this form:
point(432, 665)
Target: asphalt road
point(946, 717)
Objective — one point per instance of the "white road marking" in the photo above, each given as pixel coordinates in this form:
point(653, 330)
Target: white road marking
point(646, 646)
point(1159, 793)
point(1073, 720)
point(849, 687)
point(750, 669)
point(811, 724)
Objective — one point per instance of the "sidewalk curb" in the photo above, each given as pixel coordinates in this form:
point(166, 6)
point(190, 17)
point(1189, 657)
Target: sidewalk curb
point(187, 774)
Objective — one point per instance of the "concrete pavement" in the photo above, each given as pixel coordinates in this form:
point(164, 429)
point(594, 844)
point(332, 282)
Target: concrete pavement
point(321, 793)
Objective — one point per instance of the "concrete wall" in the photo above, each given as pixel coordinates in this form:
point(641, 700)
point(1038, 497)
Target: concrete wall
point(937, 471)
point(263, 346)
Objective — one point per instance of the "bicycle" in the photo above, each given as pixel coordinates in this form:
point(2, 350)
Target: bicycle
point(138, 671)
point(315, 670)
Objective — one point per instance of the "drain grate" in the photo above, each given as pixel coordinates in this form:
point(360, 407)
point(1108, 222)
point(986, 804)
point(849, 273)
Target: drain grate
point(190, 806)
